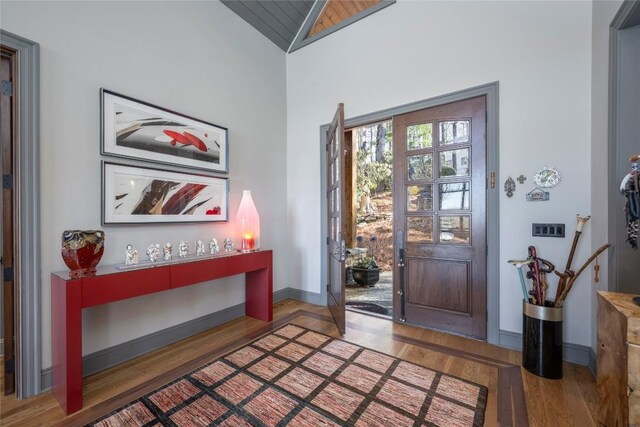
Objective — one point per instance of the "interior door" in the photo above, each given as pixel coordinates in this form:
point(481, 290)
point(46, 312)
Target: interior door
point(440, 217)
point(7, 110)
point(336, 223)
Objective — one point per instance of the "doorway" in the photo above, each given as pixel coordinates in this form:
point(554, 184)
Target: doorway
point(624, 129)
point(7, 206)
point(490, 94)
point(369, 276)
point(444, 210)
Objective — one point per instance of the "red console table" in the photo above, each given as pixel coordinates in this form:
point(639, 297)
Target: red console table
point(70, 295)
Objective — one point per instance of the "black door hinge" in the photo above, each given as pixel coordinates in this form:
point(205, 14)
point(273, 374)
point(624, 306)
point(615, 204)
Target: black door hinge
point(7, 181)
point(8, 274)
point(7, 88)
point(10, 366)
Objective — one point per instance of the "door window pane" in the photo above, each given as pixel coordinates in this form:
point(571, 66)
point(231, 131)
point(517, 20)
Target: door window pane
point(454, 195)
point(455, 229)
point(420, 167)
point(420, 229)
point(419, 136)
point(454, 132)
point(420, 197)
point(454, 162)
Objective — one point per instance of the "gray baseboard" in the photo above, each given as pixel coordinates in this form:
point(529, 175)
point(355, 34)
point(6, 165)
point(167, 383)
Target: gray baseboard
point(574, 353)
point(109, 357)
point(306, 296)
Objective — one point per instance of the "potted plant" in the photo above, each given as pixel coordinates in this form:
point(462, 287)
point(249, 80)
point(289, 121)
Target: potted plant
point(366, 271)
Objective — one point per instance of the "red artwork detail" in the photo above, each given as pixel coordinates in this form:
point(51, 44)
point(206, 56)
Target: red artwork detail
point(186, 139)
point(181, 198)
point(214, 211)
point(196, 142)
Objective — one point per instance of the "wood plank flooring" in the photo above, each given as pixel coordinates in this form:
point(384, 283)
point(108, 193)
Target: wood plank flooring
point(516, 397)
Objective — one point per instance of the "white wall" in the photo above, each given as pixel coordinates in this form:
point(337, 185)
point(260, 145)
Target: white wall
point(197, 58)
point(540, 52)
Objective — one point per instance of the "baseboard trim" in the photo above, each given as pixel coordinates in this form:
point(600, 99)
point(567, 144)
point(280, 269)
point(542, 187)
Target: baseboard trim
point(306, 296)
point(574, 353)
point(109, 357)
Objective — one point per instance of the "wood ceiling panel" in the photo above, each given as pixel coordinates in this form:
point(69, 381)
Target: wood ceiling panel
point(336, 11)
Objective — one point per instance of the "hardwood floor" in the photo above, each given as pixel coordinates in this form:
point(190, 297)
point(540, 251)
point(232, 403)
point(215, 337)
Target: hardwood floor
point(516, 397)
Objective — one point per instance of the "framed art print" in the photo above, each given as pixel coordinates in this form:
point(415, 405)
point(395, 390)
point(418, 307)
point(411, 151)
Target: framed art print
point(137, 130)
point(138, 195)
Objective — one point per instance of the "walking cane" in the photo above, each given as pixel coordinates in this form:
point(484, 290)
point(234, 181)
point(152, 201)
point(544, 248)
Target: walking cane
point(535, 271)
point(519, 264)
point(566, 276)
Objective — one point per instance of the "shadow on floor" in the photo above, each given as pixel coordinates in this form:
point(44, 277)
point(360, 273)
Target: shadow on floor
point(375, 300)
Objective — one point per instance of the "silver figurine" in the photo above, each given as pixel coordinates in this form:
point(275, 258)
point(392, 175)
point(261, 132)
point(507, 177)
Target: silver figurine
point(228, 245)
point(153, 252)
point(213, 246)
point(183, 249)
point(199, 247)
point(167, 251)
point(131, 256)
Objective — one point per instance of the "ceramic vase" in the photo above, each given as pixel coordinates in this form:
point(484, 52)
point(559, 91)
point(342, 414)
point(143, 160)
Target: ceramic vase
point(82, 250)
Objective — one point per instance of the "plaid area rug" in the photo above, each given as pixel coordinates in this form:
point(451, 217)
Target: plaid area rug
point(297, 377)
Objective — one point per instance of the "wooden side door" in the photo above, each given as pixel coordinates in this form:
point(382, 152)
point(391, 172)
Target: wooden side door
point(440, 217)
point(336, 223)
point(7, 120)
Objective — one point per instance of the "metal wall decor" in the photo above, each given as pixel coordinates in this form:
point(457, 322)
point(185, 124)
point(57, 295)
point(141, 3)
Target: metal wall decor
point(538, 195)
point(509, 187)
point(521, 179)
point(547, 177)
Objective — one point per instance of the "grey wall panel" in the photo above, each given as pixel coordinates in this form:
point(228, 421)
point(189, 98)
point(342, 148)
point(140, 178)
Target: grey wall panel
point(293, 12)
point(259, 8)
point(256, 22)
point(292, 25)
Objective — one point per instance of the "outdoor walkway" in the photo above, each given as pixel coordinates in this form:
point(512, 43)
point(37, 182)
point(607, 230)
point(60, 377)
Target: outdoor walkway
point(380, 294)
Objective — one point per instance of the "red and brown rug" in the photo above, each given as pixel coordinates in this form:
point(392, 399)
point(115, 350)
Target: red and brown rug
point(297, 377)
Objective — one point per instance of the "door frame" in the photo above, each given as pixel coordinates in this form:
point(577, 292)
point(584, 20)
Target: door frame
point(490, 91)
point(28, 341)
point(627, 16)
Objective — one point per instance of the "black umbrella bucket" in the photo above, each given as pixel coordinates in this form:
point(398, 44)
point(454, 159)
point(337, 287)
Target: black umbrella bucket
point(542, 340)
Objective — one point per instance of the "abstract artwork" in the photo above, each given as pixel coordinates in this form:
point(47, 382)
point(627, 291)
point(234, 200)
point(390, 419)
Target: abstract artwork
point(135, 195)
point(138, 130)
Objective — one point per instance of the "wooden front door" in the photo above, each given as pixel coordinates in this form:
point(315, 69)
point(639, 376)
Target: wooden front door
point(336, 223)
point(440, 217)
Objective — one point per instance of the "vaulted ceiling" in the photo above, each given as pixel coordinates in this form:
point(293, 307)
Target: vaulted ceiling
point(292, 24)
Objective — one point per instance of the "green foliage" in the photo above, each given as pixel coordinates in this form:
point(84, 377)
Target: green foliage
point(373, 175)
point(447, 171)
point(367, 262)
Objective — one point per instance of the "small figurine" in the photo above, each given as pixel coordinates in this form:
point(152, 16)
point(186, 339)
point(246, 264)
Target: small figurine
point(153, 252)
point(213, 246)
point(167, 251)
point(228, 245)
point(199, 248)
point(183, 249)
point(131, 257)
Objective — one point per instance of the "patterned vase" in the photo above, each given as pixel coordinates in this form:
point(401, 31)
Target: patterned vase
point(82, 250)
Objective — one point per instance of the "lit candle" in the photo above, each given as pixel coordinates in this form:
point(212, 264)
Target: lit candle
point(248, 242)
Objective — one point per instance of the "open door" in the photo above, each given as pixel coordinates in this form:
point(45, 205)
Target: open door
point(440, 216)
point(336, 223)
